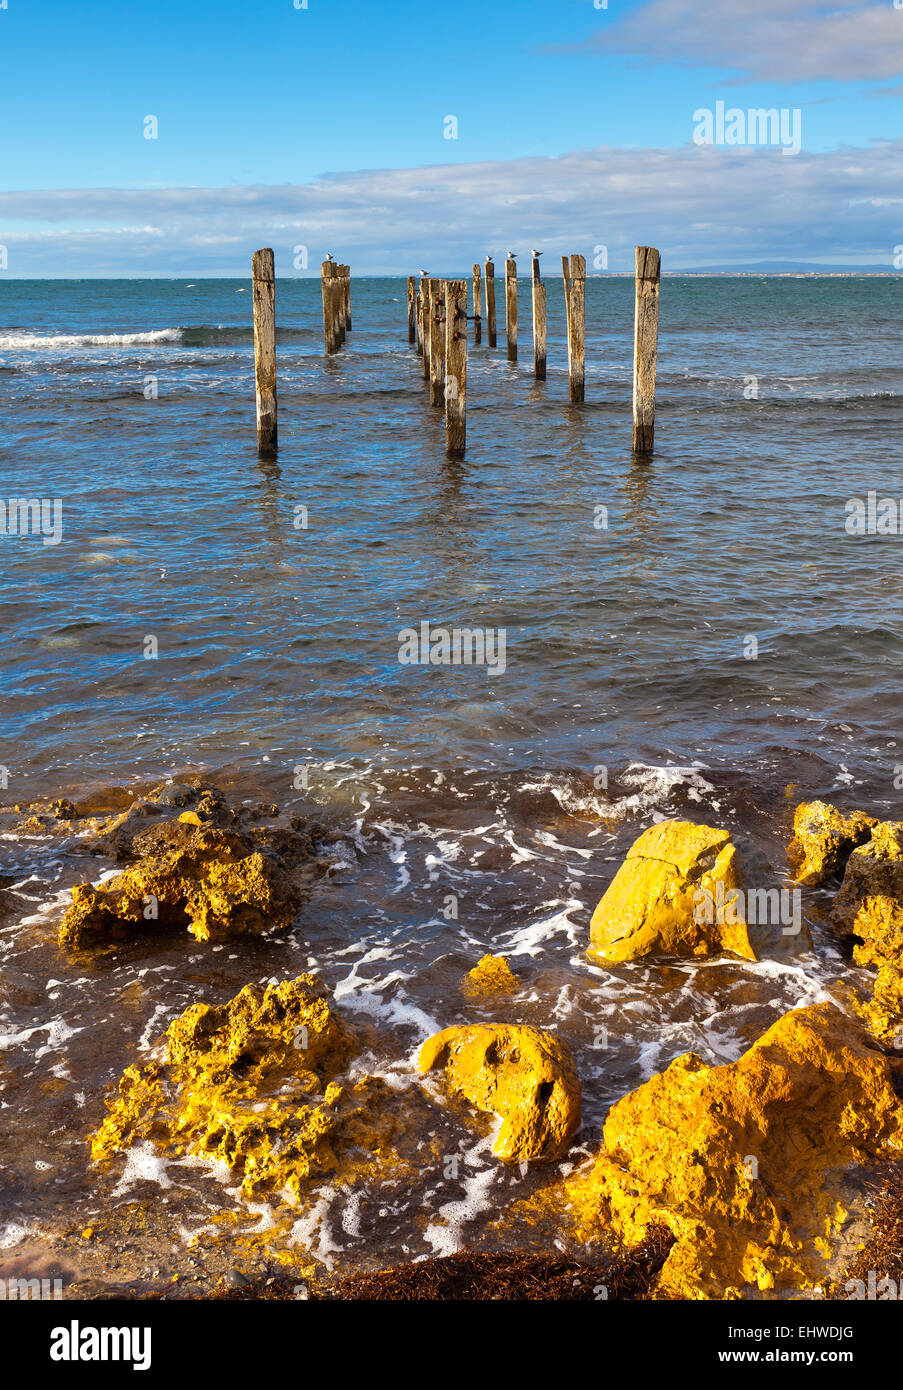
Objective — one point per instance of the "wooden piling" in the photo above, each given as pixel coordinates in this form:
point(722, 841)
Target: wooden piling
point(263, 276)
point(566, 277)
point(477, 304)
point(338, 303)
point(437, 341)
point(327, 281)
point(539, 324)
point(490, 301)
point(511, 307)
point(346, 298)
point(576, 329)
point(645, 347)
point(418, 322)
point(412, 309)
point(425, 314)
point(455, 367)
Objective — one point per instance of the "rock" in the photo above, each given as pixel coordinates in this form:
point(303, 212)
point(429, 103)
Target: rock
point(259, 1084)
point(869, 907)
point(214, 882)
point(525, 1075)
point(740, 1161)
point(176, 794)
point(823, 839)
point(656, 905)
point(492, 975)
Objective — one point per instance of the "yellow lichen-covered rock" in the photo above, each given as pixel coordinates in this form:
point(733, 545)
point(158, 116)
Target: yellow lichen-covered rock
point(672, 896)
point(737, 1160)
point(213, 882)
point(823, 839)
point(490, 976)
point(258, 1083)
point(869, 907)
point(524, 1075)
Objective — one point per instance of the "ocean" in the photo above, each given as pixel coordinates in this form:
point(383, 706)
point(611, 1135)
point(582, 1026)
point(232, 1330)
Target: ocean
point(700, 634)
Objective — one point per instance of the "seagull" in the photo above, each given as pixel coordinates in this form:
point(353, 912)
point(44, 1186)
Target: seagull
point(535, 253)
point(425, 273)
point(330, 256)
point(512, 255)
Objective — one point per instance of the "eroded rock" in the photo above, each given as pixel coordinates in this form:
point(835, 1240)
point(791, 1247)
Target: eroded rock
point(524, 1075)
point(492, 975)
point(823, 839)
point(258, 1083)
point(213, 882)
point(737, 1160)
point(655, 904)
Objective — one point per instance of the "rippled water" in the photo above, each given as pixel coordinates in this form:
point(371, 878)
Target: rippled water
point(278, 651)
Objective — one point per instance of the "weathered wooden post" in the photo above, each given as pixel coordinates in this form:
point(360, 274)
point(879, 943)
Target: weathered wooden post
point(477, 304)
point(437, 341)
point(455, 367)
point(418, 322)
point(645, 347)
point(338, 303)
point(347, 299)
point(490, 301)
point(511, 307)
point(576, 329)
point(412, 309)
point(263, 277)
point(539, 324)
point(425, 315)
point(327, 280)
point(566, 277)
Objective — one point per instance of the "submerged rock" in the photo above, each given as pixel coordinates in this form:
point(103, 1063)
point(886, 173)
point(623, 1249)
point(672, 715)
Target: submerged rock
point(823, 839)
point(258, 1083)
point(657, 902)
point(524, 1075)
point(492, 975)
point(737, 1160)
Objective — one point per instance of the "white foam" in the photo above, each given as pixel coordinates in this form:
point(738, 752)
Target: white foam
point(31, 341)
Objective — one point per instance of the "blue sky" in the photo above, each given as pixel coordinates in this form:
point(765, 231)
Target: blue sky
point(326, 125)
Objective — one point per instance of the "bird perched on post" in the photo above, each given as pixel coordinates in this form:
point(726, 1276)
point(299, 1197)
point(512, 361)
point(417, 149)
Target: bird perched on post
point(425, 273)
point(537, 254)
point(512, 255)
point(330, 256)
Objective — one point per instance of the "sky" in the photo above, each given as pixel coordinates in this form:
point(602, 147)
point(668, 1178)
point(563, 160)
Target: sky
point(170, 138)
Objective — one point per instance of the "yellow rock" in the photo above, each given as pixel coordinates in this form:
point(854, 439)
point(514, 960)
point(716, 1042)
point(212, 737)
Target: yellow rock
point(491, 975)
point(823, 838)
point(257, 1083)
point(736, 1159)
point(213, 882)
point(869, 907)
point(524, 1075)
point(190, 818)
point(672, 896)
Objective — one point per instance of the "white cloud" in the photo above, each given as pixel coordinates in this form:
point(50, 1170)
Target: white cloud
point(700, 205)
point(770, 40)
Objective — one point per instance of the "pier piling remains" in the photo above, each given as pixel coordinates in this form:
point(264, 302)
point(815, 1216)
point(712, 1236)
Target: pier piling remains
point(539, 324)
point(511, 307)
point(412, 309)
point(490, 301)
point(263, 276)
point(645, 349)
point(455, 367)
point(576, 292)
point(437, 342)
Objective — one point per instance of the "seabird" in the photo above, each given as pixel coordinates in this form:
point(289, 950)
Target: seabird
point(535, 253)
point(512, 255)
point(426, 273)
point(330, 256)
